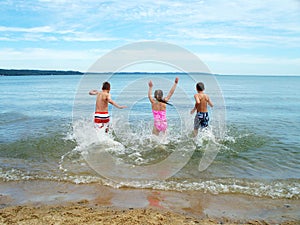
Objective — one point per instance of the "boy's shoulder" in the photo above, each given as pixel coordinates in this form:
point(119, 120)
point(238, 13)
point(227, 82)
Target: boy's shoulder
point(103, 94)
point(200, 94)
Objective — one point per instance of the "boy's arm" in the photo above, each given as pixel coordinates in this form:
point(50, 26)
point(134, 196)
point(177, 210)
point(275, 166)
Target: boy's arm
point(93, 92)
point(209, 102)
point(114, 103)
point(171, 92)
point(150, 92)
point(193, 110)
point(197, 99)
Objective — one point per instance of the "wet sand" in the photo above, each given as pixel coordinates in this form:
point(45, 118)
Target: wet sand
point(45, 202)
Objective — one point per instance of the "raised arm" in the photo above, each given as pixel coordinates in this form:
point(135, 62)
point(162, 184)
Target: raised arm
point(171, 92)
point(150, 92)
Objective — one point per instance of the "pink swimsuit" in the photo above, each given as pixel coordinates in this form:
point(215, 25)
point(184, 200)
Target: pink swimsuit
point(160, 120)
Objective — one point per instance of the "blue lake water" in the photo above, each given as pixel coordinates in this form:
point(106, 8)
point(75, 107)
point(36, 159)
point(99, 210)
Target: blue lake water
point(259, 153)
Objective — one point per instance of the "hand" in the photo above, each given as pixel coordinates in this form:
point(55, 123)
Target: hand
point(193, 110)
point(123, 107)
point(176, 80)
point(93, 92)
point(150, 84)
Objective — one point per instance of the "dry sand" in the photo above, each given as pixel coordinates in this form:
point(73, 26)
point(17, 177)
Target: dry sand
point(44, 202)
point(78, 214)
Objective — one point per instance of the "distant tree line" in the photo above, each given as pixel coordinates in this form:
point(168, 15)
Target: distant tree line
point(5, 72)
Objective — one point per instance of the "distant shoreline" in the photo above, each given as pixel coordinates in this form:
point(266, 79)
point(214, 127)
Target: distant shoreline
point(14, 72)
point(33, 72)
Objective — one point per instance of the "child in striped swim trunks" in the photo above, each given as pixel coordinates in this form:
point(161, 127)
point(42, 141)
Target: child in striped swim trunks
point(101, 116)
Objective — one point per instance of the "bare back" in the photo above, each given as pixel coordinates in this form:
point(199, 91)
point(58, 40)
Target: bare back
point(201, 102)
point(102, 101)
point(158, 106)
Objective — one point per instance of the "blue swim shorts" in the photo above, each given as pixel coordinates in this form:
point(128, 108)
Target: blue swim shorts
point(201, 120)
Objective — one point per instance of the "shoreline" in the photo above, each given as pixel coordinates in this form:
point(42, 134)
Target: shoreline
point(95, 202)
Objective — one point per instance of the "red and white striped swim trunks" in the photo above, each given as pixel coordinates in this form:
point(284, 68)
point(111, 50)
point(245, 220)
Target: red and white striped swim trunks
point(101, 120)
point(101, 117)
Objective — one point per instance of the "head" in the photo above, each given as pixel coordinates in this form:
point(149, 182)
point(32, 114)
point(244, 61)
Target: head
point(158, 94)
point(200, 86)
point(106, 86)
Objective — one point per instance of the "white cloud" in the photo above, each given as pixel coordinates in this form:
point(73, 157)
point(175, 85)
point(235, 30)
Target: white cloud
point(8, 54)
point(206, 37)
point(250, 64)
point(47, 33)
point(43, 58)
point(35, 30)
point(42, 29)
point(247, 59)
point(85, 37)
point(216, 19)
point(219, 24)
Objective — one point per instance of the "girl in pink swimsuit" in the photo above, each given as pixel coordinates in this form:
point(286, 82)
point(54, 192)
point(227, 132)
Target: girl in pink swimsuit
point(159, 107)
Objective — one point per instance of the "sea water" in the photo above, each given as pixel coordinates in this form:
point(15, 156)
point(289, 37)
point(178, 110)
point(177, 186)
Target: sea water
point(258, 155)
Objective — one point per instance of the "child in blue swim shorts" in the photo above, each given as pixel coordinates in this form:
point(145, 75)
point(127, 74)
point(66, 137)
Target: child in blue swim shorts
point(202, 100)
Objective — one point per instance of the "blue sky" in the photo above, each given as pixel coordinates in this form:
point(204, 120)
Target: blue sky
point(230, 37)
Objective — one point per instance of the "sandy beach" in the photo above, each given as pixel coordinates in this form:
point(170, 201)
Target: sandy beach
point(45, 202)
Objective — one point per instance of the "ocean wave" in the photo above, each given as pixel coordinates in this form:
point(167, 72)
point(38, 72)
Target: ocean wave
point(289, 189)
point(277, 189)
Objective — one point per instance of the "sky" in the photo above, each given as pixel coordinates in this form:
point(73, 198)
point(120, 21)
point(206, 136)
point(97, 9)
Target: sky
point(230, 37)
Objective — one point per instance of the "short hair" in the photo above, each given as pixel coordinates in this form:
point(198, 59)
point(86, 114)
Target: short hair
point(106, 86)
point(200, 86)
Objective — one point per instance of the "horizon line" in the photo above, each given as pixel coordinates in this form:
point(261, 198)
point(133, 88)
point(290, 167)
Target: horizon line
point(144, 72)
